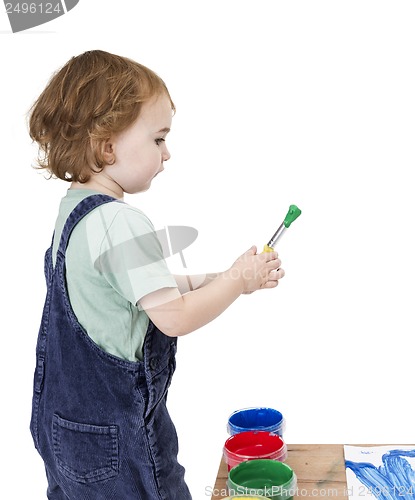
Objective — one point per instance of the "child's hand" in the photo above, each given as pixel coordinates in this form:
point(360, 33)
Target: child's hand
point(257, 270)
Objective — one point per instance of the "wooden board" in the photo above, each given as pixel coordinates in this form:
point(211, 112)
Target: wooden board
point(319, 468)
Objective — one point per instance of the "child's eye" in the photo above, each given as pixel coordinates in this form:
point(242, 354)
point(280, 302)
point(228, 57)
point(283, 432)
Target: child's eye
point(159, 141)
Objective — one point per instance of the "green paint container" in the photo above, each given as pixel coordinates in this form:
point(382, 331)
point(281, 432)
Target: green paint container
point(269, 478)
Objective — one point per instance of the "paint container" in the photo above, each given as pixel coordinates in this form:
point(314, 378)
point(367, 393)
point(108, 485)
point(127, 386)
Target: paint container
point(253, 445)
point(269, 478)
point(256, 419)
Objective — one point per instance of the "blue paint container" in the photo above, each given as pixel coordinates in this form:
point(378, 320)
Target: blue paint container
point(256, 419)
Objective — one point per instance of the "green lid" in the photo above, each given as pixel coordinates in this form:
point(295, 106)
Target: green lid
point(292, 214)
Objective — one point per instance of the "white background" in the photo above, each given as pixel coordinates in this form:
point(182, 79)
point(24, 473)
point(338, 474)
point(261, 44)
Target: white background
point(278, 102)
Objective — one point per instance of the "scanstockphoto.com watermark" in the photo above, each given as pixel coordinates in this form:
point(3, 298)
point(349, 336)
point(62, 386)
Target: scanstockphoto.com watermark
point(151, 247)
point(26, 15)
point(341, 492)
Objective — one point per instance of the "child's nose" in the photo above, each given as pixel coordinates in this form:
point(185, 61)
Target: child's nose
point(166, 154)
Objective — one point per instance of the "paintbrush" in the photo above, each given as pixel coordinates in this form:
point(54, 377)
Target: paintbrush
point(293, 213)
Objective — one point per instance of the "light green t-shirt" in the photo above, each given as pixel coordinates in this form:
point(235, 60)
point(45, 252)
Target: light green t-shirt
point(110, 266)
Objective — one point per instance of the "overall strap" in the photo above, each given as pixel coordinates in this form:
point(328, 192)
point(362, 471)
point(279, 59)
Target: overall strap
point(83, 208)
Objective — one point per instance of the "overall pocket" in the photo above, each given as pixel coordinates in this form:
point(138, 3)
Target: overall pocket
point(37, 391)
point(85, 453)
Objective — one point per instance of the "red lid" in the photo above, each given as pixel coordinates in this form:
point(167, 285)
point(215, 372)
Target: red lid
point(254, 444)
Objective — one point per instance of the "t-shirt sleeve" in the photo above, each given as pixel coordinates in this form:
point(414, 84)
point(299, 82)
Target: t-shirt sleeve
point(131, 256)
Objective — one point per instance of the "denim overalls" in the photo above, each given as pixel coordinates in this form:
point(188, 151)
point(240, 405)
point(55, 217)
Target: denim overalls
point(100, 423)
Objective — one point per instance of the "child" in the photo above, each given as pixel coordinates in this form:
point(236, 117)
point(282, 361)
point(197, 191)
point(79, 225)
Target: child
point(107, 341)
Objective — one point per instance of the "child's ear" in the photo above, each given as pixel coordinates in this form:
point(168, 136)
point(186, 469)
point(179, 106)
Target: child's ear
point(108, 152)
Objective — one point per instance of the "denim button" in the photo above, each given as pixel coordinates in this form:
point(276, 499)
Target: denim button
point(153, 363)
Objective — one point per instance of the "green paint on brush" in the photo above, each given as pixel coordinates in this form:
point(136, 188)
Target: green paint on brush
point(293, 213)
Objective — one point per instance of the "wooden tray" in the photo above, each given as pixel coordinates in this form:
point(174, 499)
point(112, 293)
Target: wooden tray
point(319, 468)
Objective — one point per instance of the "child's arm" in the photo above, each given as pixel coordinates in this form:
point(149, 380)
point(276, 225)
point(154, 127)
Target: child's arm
point(187, 283)
point(177, 315)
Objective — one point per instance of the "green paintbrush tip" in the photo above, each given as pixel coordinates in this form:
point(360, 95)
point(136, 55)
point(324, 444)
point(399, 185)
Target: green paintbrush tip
point(292, 214)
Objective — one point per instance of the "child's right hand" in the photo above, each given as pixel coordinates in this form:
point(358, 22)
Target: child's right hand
point(257, 271)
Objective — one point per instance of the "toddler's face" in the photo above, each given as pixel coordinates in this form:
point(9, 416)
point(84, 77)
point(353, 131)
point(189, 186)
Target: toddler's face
point(140, 150)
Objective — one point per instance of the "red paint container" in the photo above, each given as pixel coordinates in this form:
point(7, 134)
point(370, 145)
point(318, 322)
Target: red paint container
point(254, 445)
